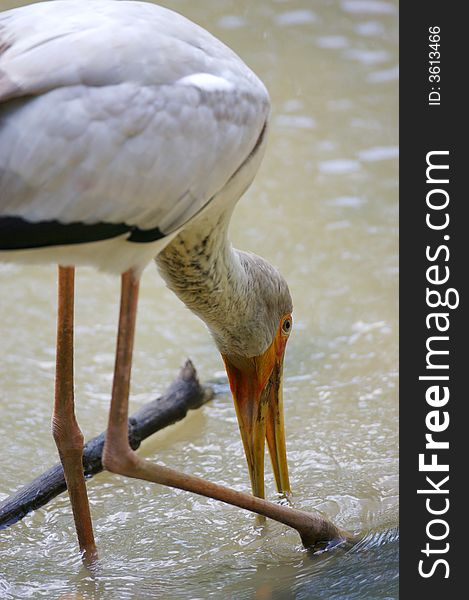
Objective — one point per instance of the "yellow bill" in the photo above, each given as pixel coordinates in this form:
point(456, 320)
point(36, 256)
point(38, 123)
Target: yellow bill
point(256, 385)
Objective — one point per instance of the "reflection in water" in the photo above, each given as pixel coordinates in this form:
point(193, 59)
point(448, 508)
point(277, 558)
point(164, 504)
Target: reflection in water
point(324, 210)
point(355, 574)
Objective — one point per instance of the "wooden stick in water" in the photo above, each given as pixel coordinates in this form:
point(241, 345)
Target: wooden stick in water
point(184, 394)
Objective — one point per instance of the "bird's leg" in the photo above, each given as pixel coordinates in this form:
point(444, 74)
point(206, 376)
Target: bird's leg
point(119, 458)
point(67, 434)
point(116, 448)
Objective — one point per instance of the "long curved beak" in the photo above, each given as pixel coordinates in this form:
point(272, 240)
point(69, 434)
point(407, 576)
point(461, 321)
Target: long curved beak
point(256, 385)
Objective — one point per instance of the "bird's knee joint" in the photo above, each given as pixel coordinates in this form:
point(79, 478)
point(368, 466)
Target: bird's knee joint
point(120, 462)
point(67, 435)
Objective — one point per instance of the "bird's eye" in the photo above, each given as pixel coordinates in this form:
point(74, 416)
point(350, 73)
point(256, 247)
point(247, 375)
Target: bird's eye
point(286, 326)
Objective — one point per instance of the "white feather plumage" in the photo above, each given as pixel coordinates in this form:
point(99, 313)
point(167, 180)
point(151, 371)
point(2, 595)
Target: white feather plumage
point(118, 112)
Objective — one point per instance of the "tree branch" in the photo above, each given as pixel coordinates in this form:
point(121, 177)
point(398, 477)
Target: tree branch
point(184, 394)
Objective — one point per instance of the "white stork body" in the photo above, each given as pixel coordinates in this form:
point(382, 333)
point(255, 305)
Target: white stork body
point(119, 114)
point(128, 133)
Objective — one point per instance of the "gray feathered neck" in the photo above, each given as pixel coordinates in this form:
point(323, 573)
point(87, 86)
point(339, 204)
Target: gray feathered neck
point(239, 295)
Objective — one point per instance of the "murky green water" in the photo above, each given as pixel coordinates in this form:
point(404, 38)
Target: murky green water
point(324, 210)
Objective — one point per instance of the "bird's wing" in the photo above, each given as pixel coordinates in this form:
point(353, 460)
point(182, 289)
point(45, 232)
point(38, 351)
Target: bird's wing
point(119, 112)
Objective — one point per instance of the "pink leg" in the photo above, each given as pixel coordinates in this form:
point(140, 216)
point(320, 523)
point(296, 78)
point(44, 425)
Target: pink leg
point(118, 457)
point(67, 434)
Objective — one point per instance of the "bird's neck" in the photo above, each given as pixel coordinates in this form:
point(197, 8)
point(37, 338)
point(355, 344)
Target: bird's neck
point(202, 268)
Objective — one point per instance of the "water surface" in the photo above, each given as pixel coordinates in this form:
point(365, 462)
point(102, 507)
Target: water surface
point(324, 210)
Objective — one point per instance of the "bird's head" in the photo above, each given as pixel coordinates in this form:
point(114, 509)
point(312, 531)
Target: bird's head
point(247, 306)
point(253, 346)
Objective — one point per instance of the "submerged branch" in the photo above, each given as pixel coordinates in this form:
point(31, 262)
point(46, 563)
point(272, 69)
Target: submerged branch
point(184, 394)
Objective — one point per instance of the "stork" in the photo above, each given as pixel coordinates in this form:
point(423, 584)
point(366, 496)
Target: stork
point(127, 134)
